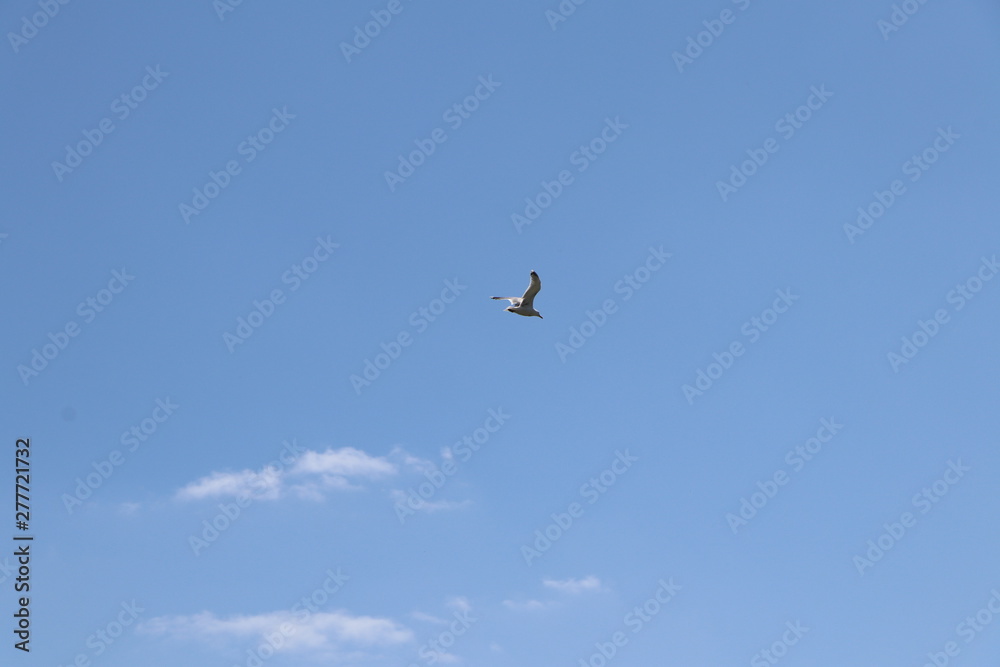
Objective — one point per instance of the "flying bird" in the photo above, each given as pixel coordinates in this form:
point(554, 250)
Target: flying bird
point(523, 305)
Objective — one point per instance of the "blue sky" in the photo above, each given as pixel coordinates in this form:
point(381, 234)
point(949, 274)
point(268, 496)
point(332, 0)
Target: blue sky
point(754, 426)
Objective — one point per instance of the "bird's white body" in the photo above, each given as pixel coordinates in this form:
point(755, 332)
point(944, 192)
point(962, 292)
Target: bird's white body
point(524, 305)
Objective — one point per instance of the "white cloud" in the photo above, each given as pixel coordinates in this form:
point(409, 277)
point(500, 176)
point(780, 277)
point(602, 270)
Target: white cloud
point(568, 586)
point(400, 496)
point(461, 607)
point(321, 631)
point(525, 605)
point(428, 618)
point(411, 462)
point(459, 602)
point(574, 586)
point(129, 509)
point(308, 491)
point(265, 484)
point(342, 463)
point(311, 476)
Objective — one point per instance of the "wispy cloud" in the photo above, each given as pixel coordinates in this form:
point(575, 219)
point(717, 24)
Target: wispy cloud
point(459, 602)
point(460, 620)
point(565, 586)
point(428, 618)
point(322, 631)
point(311, 475)
point(525, 605)
point(265, 485)
point(400, 496)
point(574, 586)
point(410, 462)
point(129, 509)
point(344, 462)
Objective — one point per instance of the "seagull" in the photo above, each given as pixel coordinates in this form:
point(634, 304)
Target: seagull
point(522, 305)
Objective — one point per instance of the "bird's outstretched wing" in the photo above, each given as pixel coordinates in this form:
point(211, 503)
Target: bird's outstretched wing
point(513, 299)
point(533, 287)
